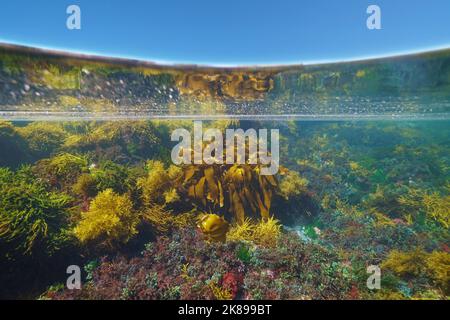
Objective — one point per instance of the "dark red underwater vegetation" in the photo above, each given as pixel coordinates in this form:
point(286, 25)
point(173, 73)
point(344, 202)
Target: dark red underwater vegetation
point(232, 281)
point(186, 267)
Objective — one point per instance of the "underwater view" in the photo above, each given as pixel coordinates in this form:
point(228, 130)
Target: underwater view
point(355, 182)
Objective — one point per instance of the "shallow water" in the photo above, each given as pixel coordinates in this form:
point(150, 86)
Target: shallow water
point(86, 171)
point(360, 188)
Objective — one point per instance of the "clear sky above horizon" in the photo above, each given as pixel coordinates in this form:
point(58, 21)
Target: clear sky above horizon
point(229, 32)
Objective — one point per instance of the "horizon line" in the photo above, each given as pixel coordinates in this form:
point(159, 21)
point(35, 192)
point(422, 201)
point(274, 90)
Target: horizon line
point(156, 62)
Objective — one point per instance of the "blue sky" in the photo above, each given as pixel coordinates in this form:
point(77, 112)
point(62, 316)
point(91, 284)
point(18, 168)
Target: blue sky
point(231, 32)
